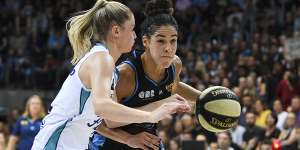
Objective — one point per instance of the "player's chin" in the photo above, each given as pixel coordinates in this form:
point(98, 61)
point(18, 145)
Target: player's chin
point(166, 64)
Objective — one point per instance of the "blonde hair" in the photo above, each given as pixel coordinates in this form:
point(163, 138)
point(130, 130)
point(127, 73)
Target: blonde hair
point(27, 107)
point(94, 24)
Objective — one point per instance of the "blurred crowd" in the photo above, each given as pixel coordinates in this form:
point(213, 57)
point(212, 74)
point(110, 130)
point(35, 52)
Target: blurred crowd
point(239, 44)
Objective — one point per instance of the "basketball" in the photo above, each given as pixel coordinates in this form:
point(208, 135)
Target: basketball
point(218, 109)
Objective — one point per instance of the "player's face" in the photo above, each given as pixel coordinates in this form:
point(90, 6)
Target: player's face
point(163, 45)
point(127, 35)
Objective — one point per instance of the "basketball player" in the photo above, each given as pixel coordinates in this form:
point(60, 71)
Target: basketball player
point(85, 94)
point(145, 79)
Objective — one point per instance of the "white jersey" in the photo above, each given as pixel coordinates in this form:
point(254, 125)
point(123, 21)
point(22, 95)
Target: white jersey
point(72, 119)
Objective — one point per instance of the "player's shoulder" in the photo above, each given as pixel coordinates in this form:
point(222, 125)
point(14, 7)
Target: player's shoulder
point(126, 79)
point(99, 60)
point(125, 70)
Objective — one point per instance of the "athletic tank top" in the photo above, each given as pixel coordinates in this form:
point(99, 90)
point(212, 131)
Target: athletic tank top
point(72, 119)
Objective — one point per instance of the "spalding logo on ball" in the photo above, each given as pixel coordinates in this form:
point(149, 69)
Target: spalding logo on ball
point(218, 109)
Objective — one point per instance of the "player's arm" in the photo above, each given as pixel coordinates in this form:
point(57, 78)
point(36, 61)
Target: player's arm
point(142, 140)
point(96, 72)
point(184, 90)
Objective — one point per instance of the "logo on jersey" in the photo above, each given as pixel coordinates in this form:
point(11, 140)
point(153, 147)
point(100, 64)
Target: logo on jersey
point(169, 87)
point(160, 92)
point(146, 94)
point(95, 123)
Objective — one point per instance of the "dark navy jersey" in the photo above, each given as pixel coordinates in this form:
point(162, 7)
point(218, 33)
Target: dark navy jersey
point(146, 91)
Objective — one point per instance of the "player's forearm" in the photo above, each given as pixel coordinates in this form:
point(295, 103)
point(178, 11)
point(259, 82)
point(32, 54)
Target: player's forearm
point(186, 91)
point(114, 134)
point(113, 111)
point(148, 108)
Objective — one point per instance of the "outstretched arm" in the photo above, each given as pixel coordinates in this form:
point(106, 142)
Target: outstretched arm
point(184, 90)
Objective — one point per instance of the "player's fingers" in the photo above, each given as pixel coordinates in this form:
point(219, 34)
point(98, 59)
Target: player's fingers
point(148, 139)
point(144, 147)
point(152, 137)
point(152, 141)
point(152, 146)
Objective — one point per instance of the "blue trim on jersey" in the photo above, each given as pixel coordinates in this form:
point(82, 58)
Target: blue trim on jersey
point(134, 53)
point(174, 70)
point(53, 140)
point(149, 79)
point(154, 82)
point(84, 95)
point(136, 81)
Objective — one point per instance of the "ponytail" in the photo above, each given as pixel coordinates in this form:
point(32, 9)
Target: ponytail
point(94, 23)
point(80, 30)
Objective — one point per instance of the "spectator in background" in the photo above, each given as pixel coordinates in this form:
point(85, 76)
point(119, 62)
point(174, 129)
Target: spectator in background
point(250, 86)
point(271, 132)
point(2, 141)
point(177, 129)
point(14, 115)
point(288, 135)
point(295, 108)
point(253, 133)
point(202, 138)
point(265, 145)
point(237, 134)
point(285, 89)
point(261, 89)
point(225, 142)
point(247, 105)
point(28, 125)
point(187, 123)
point(173, 145)
point(281, 114)
point(3, 132)
point(213, 146)
point(261, 113)
point(164, 137)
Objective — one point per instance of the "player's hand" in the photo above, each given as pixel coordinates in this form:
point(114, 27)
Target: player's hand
point(179, 99)
point(165, 110)
point(144, 140)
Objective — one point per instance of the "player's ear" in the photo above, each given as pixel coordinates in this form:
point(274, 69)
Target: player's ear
point(145, 41)
point(115, 30)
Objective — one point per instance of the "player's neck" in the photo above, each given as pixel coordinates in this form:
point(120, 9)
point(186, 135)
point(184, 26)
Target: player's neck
point(113, 51)
point(151, 69)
